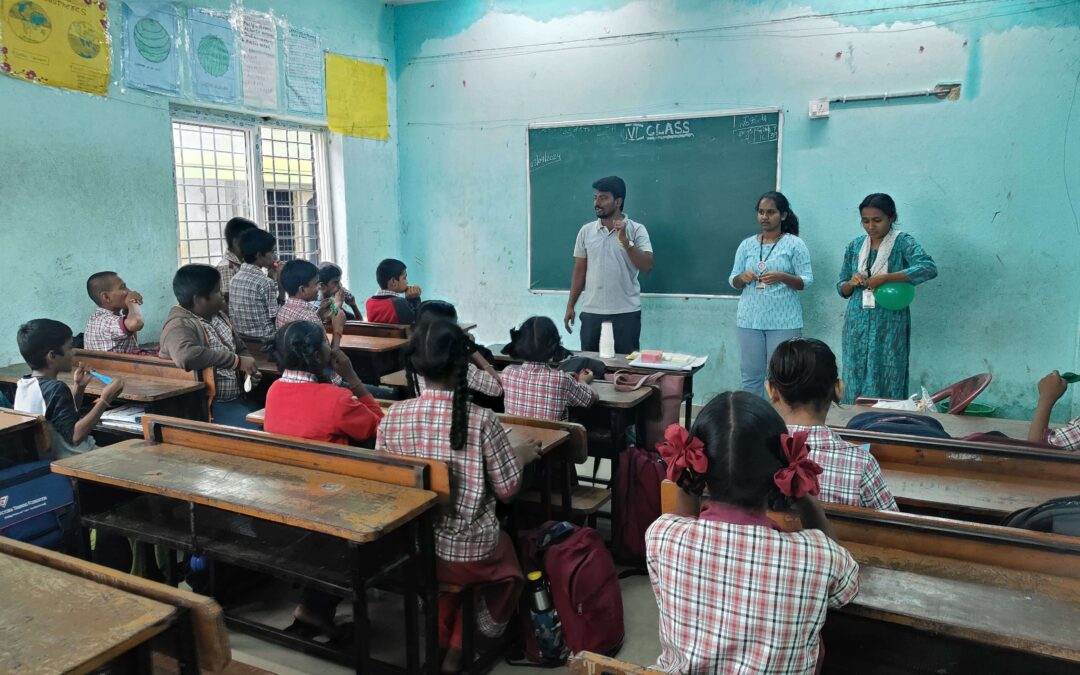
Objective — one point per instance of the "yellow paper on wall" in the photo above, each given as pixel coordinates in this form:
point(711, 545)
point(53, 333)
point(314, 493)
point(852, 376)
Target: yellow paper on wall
point(356, 98)
point(61, 43)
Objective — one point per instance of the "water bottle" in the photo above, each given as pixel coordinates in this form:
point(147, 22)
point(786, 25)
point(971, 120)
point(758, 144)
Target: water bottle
point(545, 620)
point(607, 340)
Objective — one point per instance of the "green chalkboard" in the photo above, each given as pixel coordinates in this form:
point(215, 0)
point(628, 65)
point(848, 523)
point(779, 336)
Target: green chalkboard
point(692, 181)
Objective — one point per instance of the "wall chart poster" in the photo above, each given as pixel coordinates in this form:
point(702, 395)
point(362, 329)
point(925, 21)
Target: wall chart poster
point(61, 43)
point(258, 59)
point(152, 48)
point(305, 88)
point(356, 103)
point(214, 62)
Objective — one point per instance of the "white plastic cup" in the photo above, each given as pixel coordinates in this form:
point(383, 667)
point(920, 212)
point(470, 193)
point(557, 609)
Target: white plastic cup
point(607, 340)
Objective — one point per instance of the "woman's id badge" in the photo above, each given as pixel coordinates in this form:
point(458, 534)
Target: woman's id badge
point(868, 299)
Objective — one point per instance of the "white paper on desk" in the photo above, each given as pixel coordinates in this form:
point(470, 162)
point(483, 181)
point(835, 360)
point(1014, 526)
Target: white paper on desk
point(897, 405)
point(127, 414)
point(672, 361)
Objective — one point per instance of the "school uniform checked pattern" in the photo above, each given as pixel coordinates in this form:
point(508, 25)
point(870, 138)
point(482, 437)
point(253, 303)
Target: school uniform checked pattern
point(296, 310)
point(105, 332)
point(227, 267)
point(1066, 437)
point(537, 390)
point(743, 599)
point(851, 474)
point(477, 380)
point(466, 529)
point(253, 302)
point(220, 335)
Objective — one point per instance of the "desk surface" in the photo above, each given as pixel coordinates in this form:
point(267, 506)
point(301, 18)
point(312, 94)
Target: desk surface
point(981, 494)
point(350, 508)
point(618, 362)
point(365, 343)
point(12, 421)
point(55, 622)
point(956, 426)
point(137, 388)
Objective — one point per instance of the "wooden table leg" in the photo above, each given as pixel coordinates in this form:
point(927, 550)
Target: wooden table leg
point(430, 588)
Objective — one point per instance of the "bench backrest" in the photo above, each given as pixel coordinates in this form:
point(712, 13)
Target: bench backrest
point(208, 621)
point(345, 460)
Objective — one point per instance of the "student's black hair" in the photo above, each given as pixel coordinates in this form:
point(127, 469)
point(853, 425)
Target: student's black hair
point(388, 270)
point(613, 184)
point(99, 283)
point(236, 227)
point(741, 433)
point(297, 273)
point(537, 340)
point(440, 350)
point(803, 372)
point(328, 271)
point(256, 242)
point(790, 224)
point(38, 337)
point(191, 281)
point(430, 310)
point(880, 201)
point(296, 347)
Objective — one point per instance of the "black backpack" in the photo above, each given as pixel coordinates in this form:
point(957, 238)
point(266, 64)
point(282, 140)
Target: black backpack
point(896, 422)
point(1057, 516)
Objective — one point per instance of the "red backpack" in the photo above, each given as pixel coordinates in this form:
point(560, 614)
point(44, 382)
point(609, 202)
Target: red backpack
point(584, 587)
point(637, 502)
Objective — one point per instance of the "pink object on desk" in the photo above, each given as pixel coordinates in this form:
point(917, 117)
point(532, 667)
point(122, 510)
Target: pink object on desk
point(651, 356)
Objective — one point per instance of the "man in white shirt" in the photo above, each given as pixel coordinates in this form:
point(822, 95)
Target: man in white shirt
point(608, 255)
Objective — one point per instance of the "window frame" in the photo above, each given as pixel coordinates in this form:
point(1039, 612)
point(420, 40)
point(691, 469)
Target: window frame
point(251, 127)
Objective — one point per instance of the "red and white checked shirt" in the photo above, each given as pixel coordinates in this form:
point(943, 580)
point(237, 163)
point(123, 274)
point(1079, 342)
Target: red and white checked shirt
point(743, 599)
point(538, 390)
point(1066, 437)
point(485, 468)
point(253, 304)
point(106, 332)
point(220, 335)
point(851, 474)
point(227, 267)
point(477, 379)
point(296, 309)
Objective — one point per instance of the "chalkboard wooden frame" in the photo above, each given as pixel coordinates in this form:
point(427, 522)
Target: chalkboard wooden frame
point(636, 119)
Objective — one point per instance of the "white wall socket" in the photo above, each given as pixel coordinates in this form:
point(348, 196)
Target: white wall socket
point(819, 107)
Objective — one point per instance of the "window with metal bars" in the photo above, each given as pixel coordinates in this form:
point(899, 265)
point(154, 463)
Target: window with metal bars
point(274, 175)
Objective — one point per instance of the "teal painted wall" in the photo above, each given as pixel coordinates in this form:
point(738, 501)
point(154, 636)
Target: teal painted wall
point(981, 182)
point(86, 182)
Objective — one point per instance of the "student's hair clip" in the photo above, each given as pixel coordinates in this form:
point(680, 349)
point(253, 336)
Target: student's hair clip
point(800, 477)
point(684, 455)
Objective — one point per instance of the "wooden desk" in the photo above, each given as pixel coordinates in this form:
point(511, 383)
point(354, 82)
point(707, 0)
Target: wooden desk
point(371, 345)
point(138, 388)
point(55, 622)
point(968, 480)
point(956, 426)
point(23, 438)
point(329, 531)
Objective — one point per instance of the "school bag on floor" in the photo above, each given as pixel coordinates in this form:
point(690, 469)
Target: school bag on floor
point(636, 502)
point(1057, 516)
point(898, 423)
point(37, 506)
point(584, 587)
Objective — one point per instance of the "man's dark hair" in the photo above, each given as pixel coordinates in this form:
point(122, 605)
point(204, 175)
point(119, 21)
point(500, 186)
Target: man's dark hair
point(613, 184)
point(297, 273)
point(191, 281)
point(388, 270)
point(256, 242)
point(40, 337)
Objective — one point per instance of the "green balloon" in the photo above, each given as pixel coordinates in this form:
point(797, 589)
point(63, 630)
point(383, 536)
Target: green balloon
point(895, 296)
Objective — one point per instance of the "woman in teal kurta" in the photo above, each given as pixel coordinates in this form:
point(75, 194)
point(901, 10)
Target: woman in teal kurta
point(877, 340)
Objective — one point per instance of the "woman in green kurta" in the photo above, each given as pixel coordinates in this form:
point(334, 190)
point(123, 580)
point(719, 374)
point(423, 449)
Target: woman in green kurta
point(877, 340)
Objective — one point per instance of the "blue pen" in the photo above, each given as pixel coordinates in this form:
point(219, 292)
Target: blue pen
point(104, 378)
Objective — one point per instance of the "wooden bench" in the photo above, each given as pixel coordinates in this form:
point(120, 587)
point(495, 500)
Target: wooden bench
point(968, 480)
point(952, 587)
point(588, 663)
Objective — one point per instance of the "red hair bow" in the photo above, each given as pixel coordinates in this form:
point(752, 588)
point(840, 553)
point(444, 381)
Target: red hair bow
point(800, 477)
point(682, 454)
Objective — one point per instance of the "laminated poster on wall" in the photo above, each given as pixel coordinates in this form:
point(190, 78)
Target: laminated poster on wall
point(304, 72)
point(356, 98)
point(152, 48)
point(214, 61)
point(258, 59)
point(61, 43)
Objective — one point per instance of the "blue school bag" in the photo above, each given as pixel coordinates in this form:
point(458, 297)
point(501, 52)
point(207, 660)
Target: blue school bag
point(895, 422)
point(37, 506)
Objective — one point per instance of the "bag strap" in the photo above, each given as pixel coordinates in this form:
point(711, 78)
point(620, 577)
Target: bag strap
point(626, 381)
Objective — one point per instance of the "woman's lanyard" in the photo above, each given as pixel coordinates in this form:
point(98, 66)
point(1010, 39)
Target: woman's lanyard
point(763, 258)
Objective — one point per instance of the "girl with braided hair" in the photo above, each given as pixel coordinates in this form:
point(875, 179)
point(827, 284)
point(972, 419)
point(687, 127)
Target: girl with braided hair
point(443, 424)
point(736, 594)
point(305, 404)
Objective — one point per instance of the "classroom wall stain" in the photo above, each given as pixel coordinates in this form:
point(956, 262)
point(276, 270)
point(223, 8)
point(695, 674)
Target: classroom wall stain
point(950, 165)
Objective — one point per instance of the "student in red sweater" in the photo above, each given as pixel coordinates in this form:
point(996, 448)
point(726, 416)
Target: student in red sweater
point(303, 403)
point(397, 301)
